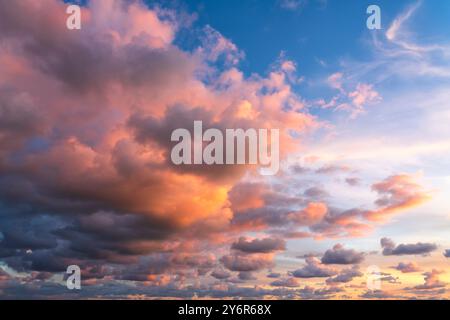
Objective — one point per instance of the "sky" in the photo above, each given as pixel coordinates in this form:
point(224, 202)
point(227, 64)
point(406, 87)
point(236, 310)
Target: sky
point(358, 210)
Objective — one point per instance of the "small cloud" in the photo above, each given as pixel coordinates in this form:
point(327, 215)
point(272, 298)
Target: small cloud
point(345, 276)
point(407, 267)
point(390, 249)
point(313, 269)
point(288, 282)
point(266, 245)
point(339, 255)
point(431, 281)
point(220, 274)
point(335, 80)
point(353, 181)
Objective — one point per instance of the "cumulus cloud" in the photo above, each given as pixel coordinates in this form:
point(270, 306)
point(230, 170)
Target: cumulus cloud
point(377, 294)
point(431, 281)
point(259, 207)
point(88, 116)
point(390, 249)
point(447, 253)
point(287, 282)
point(407, 267)
point(313, 269)
point(345, 276)
point(259, 245)
point(274, 275)
point(309, 292)
point(339, 255)
point(246, 263)
point(313, 213)
point(220, 274)
point(353, 181)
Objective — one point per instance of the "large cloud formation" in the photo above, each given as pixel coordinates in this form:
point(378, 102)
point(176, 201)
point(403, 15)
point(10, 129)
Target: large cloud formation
point(86, 117)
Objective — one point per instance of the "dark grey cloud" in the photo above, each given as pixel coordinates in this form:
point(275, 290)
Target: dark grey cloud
point(318, 294)
point(286, 282)
point(259, 245)
point(377, 294)
point(339, 255)
point(315, 193)
point(391, 249)
point(332, 169)
point(391, 279)
point(407, 267)
point(220, 274)
point(246, 276)
point(342, 223)
point(353, 181)
point(345, 275)
point(246, 263)
point(313, 269)
point(447, 253)
point(274, 275)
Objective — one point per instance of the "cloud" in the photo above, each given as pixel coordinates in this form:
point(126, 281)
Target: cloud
point(345, 276)
point(407, 267)
point(353, 181)
point(313, 269)
point(396, 193)
point(352, 97)
point(220, 274)
point(246, 276)
point(309, 292)
point(431, 281)
point(291, 5)
point(363, 95)
point(259, 245)
point(390, 249)
point(377, 294)
point(246, 263)
point(447, 253)
point(393, 30)
point(274, 275)
point(258, 207)
point(215, 46)
point(313, 213)
point(316, 193)
point(287, 282)
point(335, 80)
point(339, 255)
point(94, 110)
